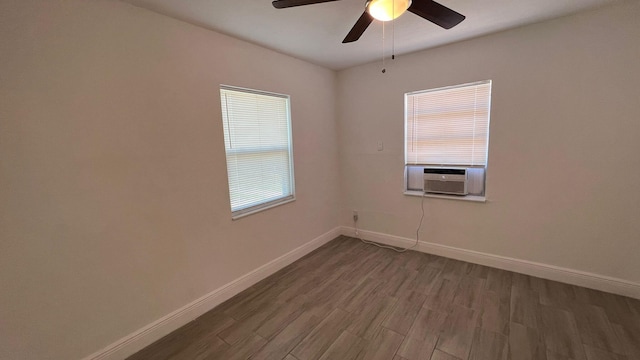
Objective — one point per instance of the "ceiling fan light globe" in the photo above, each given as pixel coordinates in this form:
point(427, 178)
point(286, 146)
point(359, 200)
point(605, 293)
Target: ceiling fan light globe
point(386, 10)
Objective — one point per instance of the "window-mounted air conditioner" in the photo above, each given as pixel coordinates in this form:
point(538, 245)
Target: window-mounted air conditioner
point(451, 181)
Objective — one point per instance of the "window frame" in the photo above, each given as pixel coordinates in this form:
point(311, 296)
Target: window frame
point(469, 197)
point(268, 203)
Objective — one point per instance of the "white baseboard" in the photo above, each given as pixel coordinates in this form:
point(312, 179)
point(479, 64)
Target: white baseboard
point(141, 338)
point(551, 272)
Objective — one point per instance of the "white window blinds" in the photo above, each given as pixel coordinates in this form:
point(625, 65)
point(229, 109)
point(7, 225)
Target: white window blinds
point(257, 139)
point(448, 126)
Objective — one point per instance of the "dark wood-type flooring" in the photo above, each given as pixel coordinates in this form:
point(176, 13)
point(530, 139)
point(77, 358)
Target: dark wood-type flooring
point(348, 300)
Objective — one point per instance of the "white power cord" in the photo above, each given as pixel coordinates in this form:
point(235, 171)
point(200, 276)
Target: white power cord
point(400, 250)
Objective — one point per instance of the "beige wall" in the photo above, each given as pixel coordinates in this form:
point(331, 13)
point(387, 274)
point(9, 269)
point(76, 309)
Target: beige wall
point(564, 156)
point(114, 205)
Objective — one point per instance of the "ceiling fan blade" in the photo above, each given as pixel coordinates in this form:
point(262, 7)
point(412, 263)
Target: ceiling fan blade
point(358, 29)
point(436, 13)
point(281, 4)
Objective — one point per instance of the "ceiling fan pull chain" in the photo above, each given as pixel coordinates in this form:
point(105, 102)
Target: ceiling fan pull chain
point(384, 69)
point(393, 31)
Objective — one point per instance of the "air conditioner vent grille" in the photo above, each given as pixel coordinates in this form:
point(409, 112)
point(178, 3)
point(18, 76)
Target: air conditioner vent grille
point(451, 181)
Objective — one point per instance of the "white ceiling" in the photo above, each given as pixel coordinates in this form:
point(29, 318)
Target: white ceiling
point(314, 32)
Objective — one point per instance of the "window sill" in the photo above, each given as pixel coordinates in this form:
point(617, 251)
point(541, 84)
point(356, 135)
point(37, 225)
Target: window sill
point(474, 198)
point(257, 210)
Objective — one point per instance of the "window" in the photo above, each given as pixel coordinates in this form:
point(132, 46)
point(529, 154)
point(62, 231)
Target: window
point(257, 141)
point(448, 127)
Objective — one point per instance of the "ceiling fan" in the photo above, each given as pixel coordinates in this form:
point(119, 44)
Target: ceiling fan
point(385, 10)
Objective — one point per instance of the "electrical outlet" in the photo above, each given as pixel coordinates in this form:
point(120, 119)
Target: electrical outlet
point(355, 215)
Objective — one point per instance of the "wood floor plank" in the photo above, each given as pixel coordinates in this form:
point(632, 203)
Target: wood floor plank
point(400, 282)
point(364, 268)
point(418, 348)
point(172, 344)
point(458, 333)
point(419, 281)
point(561, 333)
point(253, 292)
point(281, 317)
point(386, 265)
point(367, 321)
point(253, 303)
point(525, 307)
point(326, 297)
point(554, 356)
point(319, 256)
point(245, 328)
point(383, 346)
point(470, 292)
point(442, 294)
point(361, 294)
point(281, 344)
point(404, 313)
point(215, 320)
point(628, 332)
point(209, 347)
point(398, 357)
point(456, 268)
point(423, 335)
point(525, 343)
point(557, 294)
point(241, 350)
point(453, 269)
point(598, 354)
point(346, 347)
point(435, 261)
point(595, 329)
point(441, 355)
point(476, 271)
point(590, 296)
point(499, 281)
point(386, 271)
point(530, 283)
point(427, 278)
point(319, 339)
point(494, 313)
point(427, 322)
point(634, 305)
point(414, 260)
point(617, 308)
point(489, 345)
point(306, 282)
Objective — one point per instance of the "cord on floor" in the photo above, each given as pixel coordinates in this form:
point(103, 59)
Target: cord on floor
point(396, 249)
